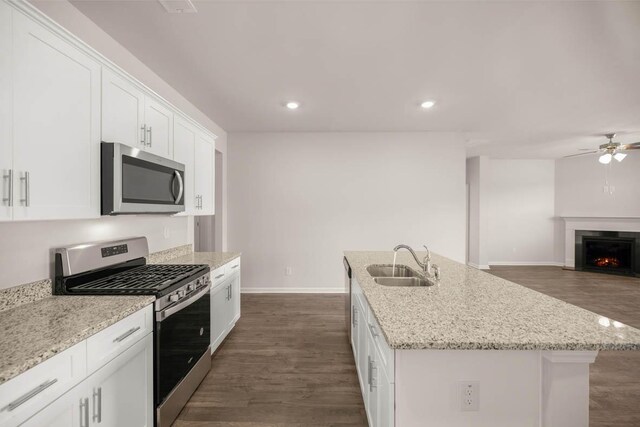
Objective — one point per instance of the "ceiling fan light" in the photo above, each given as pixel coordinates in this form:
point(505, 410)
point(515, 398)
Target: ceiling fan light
point(619, 156)
point(605, 159)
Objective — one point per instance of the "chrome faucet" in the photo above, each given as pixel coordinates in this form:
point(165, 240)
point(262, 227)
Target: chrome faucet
point(428, 269)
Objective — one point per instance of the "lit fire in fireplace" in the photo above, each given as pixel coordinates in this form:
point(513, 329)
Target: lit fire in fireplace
point(607, 262)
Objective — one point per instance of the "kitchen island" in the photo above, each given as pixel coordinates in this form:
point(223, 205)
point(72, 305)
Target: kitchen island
point(473, 349)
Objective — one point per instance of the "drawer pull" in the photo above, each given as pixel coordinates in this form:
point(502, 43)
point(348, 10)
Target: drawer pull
point(374, 332)
point(219, 276)
point(25, 397)
point(126, 334)
point(235, 266)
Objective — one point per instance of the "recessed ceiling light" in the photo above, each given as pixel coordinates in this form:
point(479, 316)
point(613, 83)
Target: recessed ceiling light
point(293, 105)
point(428, 104)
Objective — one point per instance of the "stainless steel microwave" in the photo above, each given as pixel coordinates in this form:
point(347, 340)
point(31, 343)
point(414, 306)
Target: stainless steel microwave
point(136, 182)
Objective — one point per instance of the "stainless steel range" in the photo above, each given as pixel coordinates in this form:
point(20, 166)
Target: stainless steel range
point(182, 309)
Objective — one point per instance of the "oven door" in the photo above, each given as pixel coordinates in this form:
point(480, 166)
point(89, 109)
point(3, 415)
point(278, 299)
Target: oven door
point(182, 335)
point(134, 181)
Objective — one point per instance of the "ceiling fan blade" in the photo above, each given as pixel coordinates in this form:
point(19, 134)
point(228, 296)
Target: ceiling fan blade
point(581, 154)
point(632, 146)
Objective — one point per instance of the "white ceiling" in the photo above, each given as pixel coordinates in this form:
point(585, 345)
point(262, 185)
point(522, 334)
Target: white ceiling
point(520, 79)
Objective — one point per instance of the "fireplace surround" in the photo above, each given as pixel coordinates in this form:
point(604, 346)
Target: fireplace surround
point(611, 252)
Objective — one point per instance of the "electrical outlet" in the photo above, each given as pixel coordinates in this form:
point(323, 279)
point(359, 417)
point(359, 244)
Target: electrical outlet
point(469, 395)
point(288, 271)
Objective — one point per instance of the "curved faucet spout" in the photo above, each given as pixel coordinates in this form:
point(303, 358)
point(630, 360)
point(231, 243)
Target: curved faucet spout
point(422, 264)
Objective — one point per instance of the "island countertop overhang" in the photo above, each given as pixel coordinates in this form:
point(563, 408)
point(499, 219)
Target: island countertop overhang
point(473, 310)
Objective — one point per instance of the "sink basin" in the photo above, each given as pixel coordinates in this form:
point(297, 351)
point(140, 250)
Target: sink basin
point(403, 281)
point(385, 270)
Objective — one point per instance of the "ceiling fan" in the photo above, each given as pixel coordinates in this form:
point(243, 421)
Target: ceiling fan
point(611, 150)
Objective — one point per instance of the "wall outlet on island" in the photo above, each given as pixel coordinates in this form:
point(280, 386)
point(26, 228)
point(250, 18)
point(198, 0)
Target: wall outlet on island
point(469, 395)
point(288, 271)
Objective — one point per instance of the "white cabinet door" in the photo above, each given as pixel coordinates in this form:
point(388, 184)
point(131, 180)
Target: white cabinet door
point(219, 314)
point(122, 111)
point(69, 410)
point(205, 163)
point(372, 401)
point(121, 392)
point(158, 119)
point(235, 299)
point(184, 140)
point(6, 156)
point(56, 126)
point(385, 393)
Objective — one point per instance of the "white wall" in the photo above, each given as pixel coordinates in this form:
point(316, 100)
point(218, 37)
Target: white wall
point(580, 182)
point(25, 247)
point(521, 220)
point(477, 179)
point(301, 199)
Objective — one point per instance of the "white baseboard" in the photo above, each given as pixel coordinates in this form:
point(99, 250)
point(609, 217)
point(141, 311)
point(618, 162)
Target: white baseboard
point(340, 290)
point(527, 263)
point(479, 267)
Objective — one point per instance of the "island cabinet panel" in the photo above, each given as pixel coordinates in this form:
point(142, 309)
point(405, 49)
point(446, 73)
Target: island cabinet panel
point(225, 301)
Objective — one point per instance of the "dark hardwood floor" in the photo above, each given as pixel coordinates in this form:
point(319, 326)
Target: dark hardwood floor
point(615, 376)
point(287, 363)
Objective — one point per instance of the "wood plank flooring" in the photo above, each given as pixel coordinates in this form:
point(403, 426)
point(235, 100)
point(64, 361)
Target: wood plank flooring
point(615, 376)
point(287, 363)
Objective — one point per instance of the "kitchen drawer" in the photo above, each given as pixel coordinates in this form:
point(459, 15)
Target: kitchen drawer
point(110, 342)
point(28, 393)
point(232, 266)
point(386, 354)
point(218, 276)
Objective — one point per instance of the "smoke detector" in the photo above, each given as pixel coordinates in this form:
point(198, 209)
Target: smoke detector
point(178, 6)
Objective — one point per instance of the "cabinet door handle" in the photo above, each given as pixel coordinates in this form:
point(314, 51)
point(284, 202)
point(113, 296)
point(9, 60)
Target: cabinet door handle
point(373, 330)
point(235, 266)
point(143, 140)
point(150, 136)
point(84, 412)
point(27, 198)
point(354, 314)
point(369, 371)
point(372, 371)
point(97, 406)
point(29, 395)
point(219, 276)
point(9, 199)
point(126, 334)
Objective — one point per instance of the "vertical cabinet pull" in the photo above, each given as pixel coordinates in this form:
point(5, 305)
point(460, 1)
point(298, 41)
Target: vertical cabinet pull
point(143, 140)
point(27, 198)
point(354, 314)
point(97, 405)
point(9, 199)
point(372, 369)
point(150, 136)
point(84, 412)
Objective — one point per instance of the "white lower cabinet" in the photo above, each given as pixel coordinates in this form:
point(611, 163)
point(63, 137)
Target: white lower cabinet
point(374, 363)
point(225, 302)
point(58, 392)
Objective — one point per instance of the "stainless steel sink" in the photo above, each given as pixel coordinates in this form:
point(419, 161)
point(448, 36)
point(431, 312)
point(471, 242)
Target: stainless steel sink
point(386, 270)
point(403, 281)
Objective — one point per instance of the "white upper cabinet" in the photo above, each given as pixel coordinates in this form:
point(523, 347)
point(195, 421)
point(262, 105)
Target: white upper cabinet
point(122, 110)
point(159, 127)
point(56, 126)
point(132, 117)
point(6, 157)
point(184, 141)
point(204, 174)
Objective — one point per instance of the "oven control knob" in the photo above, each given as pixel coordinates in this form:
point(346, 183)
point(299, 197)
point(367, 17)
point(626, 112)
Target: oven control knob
point(190, 287)
point(174, 297)
point(181, 293)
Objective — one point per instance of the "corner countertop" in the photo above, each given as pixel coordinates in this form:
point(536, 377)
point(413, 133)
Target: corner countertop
point(213, 259)
point(32, 333)
point(470, 309)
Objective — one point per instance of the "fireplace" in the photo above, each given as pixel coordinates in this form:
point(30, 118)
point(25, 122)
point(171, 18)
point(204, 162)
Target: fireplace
point(609, 252)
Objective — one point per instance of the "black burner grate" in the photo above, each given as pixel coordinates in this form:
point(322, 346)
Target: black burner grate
point(144, 280)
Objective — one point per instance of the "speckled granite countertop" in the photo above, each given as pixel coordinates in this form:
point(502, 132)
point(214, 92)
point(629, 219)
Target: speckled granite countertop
point(472, 309)
point(32, 333)
point(214, 259)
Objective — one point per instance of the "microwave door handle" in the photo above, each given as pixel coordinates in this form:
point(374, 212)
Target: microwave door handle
point(177, 174)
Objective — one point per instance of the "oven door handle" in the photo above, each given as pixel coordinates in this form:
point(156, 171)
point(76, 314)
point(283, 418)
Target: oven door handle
point(164, 314)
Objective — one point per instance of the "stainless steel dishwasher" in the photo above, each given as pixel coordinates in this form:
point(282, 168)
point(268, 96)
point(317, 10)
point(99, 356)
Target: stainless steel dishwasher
point(347, 299)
